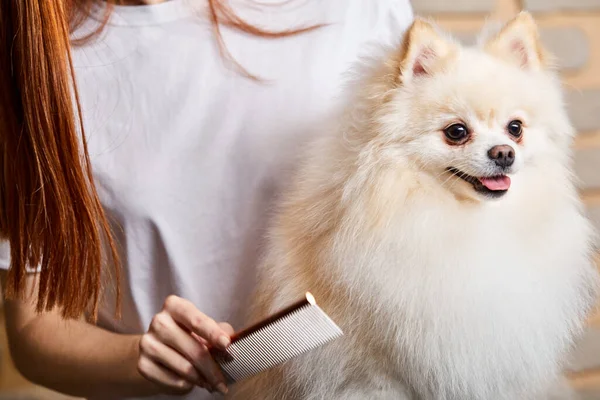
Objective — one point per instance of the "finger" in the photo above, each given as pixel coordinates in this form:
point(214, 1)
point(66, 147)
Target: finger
point(224, 325)
point(161, 376)
point(227, 328)
point(162, 354)
point(201, 340)
point(186, 314)
point(171, 334)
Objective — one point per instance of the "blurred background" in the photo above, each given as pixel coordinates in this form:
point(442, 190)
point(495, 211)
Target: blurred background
point(571, 30)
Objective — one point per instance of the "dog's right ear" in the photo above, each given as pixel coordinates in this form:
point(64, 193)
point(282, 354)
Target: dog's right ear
point(424, 50)
point(518, 42)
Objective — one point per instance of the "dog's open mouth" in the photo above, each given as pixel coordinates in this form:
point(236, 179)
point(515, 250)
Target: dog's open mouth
point(493, 186)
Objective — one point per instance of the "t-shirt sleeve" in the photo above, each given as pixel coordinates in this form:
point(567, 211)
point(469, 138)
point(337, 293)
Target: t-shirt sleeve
point(5, 258)
point(4, 254)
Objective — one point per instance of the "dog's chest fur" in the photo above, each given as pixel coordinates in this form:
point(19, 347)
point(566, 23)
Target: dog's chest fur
point(441, 304)
point(469, 304)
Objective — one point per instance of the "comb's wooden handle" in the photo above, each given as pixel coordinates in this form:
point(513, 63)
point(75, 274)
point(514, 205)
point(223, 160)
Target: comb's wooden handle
point(308, 299)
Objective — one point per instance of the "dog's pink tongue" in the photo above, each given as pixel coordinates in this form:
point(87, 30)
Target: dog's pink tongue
point(496, 183)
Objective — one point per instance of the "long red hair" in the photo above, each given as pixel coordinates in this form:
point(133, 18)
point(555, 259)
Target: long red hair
point(49, 208)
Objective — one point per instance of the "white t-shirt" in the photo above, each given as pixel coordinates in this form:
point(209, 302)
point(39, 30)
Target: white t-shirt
point(188, 155)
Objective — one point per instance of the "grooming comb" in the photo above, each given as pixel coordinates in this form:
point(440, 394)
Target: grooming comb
point(292, 331)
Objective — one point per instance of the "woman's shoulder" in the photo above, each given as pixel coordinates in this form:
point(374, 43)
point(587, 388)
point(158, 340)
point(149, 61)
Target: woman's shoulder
point(379, 20)
point(395, 12)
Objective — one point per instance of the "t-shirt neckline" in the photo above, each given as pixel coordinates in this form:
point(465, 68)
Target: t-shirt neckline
point(173, 10)
point(151, 14)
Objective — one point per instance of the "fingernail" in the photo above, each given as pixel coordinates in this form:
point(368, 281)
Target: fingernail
point(222, 388)
point(224, 342)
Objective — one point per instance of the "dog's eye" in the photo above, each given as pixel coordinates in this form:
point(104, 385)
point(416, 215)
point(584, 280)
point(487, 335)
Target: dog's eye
point(456, 132)
point(515, 128)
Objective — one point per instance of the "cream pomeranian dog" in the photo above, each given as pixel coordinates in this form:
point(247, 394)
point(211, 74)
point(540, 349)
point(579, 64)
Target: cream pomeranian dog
point(439, 225)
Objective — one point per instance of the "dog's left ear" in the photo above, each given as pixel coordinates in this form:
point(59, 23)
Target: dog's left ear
point(518, 42)
point(423, 51)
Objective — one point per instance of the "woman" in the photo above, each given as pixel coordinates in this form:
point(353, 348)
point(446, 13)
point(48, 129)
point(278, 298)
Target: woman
point(191, 118)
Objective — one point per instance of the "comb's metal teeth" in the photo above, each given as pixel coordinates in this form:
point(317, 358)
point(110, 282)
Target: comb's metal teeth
point(289, 336)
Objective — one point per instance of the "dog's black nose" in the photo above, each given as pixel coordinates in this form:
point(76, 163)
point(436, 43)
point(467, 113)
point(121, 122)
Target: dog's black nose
point(503, 155)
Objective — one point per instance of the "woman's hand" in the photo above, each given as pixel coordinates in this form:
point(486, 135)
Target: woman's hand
point(174, 353)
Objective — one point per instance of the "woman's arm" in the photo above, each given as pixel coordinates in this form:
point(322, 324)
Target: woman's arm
point(72, 356)
point(80, 359)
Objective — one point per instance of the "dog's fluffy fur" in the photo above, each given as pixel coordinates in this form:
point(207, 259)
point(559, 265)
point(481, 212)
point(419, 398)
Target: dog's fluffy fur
point(442, 291)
